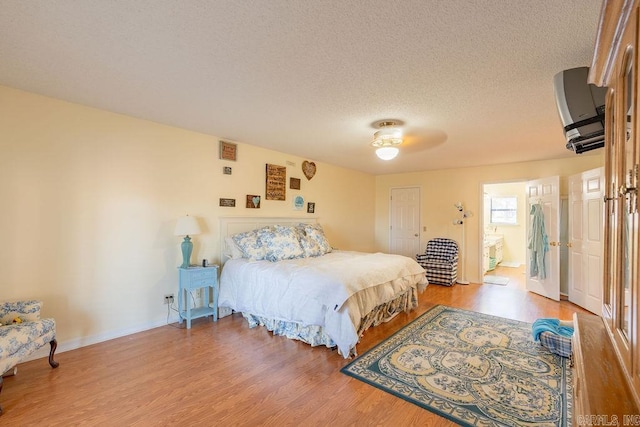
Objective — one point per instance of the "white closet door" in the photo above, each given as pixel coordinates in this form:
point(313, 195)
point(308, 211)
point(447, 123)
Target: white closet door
point(404, 235)
point(586, 248)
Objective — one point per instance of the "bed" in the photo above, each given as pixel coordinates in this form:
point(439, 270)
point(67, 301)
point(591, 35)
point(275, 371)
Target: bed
point(281, 273)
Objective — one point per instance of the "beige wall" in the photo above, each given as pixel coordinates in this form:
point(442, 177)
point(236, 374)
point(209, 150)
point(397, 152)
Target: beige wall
point(441, 189)
point(89, 200)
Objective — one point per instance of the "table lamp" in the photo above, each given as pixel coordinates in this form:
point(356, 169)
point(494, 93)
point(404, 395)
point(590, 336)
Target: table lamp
point(186, 226)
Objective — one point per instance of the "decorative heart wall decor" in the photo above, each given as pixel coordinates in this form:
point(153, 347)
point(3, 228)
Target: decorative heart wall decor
point(253, 202)
point(309, 169)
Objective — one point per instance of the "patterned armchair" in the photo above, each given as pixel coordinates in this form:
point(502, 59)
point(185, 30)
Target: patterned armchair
point(22, 332)
point(440, 260)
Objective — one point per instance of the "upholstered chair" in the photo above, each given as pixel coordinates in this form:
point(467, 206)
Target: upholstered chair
point(440, 260)
point(22, 332)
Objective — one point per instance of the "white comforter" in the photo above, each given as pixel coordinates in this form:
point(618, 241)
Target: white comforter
point(318, 291)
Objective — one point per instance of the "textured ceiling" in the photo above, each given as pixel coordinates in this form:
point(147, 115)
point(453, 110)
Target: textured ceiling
point(472, 80)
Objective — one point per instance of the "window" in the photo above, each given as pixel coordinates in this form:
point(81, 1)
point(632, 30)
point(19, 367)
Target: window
point(504, 210)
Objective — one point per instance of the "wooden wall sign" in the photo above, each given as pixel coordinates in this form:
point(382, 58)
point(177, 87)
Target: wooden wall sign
point(294, 183)
point(276, 182)
point(228, 151)
point(228, 203)
point(308, 169)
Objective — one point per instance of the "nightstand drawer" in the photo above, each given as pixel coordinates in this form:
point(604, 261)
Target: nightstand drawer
point(198, 277)
point(203, 273)
point(199, 283)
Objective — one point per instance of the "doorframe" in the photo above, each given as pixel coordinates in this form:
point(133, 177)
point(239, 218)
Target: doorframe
point(523, 181)
point(389, 230)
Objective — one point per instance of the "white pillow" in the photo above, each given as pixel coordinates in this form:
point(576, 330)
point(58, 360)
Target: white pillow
point(232, 250)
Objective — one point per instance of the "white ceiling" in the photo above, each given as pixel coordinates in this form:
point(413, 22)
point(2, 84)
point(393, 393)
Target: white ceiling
point(472, 80)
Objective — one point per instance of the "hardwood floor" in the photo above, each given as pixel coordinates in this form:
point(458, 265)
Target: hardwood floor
point(227, 374)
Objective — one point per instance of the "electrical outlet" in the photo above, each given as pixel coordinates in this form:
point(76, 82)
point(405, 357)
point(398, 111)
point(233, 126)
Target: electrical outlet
point(168, 299)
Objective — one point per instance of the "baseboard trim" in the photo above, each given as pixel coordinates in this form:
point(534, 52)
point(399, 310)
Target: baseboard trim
point(77, 343)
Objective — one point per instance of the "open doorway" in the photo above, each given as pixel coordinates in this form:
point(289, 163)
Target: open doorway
point(504, 234)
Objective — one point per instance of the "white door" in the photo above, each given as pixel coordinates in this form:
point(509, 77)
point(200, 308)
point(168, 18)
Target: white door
point(546, 193)
point(586, 191)
point(405, 222)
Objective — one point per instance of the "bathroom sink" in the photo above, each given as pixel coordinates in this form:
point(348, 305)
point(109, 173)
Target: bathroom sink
point(492, 239)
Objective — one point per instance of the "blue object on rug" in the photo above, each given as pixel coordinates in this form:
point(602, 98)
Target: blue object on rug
point(550, 325)
point(554, 335)
point(471, 368)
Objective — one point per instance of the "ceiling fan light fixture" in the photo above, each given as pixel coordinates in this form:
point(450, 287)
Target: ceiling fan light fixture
point(387, 153)
point(387, 139)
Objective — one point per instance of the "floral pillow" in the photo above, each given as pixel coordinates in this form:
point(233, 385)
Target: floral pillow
point(25, 310)
point(313, 240)
point(250, 245)
point(280, 243)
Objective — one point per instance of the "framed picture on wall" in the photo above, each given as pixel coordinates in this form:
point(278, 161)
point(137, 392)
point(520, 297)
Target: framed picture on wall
point(298, 203)
point(228, 151)
point(311, 207)
point(253, 201)
point(228, 203)
point(276, 182)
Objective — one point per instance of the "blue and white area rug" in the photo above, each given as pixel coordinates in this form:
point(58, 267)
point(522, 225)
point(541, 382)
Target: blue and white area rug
point(472, 368)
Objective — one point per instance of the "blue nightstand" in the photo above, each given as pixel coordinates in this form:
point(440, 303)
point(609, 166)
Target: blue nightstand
point(193, 278)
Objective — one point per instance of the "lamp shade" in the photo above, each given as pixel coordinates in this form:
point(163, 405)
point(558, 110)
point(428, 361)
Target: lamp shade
point(187, 226)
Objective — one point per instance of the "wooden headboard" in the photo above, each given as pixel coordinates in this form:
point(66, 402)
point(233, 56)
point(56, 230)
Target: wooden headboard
point(230, 225)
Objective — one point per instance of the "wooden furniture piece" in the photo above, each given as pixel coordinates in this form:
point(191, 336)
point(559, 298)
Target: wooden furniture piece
point(194, 278)
point(600, 388)
point(607, 355)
